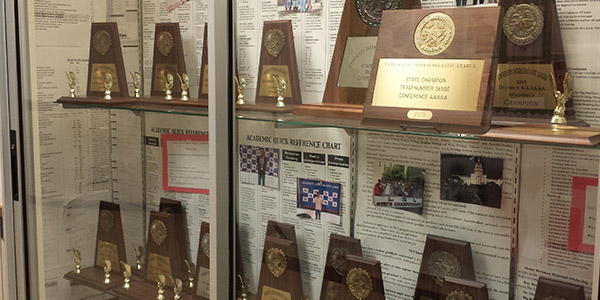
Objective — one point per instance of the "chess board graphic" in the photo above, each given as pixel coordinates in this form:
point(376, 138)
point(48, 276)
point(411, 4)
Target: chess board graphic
point(330, 192)
point(249, 165)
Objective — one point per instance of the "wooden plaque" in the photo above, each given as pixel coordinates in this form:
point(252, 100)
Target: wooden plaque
point(461, 289)
point(162, 253)
point(141, 290)
point(203, 90)
point(110, 244)
point(278, 58)
point(280, 276)
point(423, 79)
point(530, 48)
point(336, 265)
point(106, 56)
point(351, 25)
point(443, 257)
point(554, 289)
point(168, 58)
point(363, 280)
point(281, 230)
point(174, 207)
point(94, 277)
point(202, 290)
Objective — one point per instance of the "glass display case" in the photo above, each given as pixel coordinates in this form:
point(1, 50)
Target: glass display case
point(306, 149)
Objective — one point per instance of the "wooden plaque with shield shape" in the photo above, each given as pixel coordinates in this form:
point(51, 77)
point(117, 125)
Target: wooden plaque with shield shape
point(203, 90)
point(553, 289)
point(336, 265)
point(363, 279)
point(202, 289)
point(434, 68)
point(175, 208)
point(462, 289)
point(280, 277)
point(168, 58)
point(162, 253)
point(105, 57)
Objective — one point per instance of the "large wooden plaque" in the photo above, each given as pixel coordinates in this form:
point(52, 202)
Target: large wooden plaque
point(554, 289)
point(442, 79)
point(278, 58)
point(443, 257)
point(203, 90)
point(162, 253)
point(106, 56)
point(168, 58)
point(175, 208)
point(280, 277)
point(110, 244)
point(363, 280)
point(531, 47)
point(336, 265)
point(202, 290)
point(461, 289)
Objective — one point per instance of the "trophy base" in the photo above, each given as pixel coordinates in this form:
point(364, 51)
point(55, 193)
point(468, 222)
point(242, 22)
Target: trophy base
point(330, 110)
point(202, 103)
point(146, 291)
point(96, 100)
point(537, 120)
point(94, 277)
point(547, 133)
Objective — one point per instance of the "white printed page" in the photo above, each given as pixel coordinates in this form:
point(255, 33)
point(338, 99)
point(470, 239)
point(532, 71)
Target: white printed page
point(548, 217)
point(397, 237)
point(320, 154)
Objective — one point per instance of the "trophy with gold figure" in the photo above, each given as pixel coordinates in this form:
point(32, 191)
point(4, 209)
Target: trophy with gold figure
point(72, 83)
point(281, 85)
point(77, 259)
point(561, 98)
point(108, 83)
point(107, 269)
point(241, 86)
point(137, 84)
point(169, 86)
point(184, 81)
point(161, 283)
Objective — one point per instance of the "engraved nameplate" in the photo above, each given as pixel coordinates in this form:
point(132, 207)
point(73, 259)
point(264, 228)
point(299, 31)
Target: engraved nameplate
point(160, 73)
point(355, 70)
point(108, 251)
point(97, 80)
point(269, 293)
point(203, 283)
point(158, 264)
point(268, 86)
point(205, 81)
point(524, 86)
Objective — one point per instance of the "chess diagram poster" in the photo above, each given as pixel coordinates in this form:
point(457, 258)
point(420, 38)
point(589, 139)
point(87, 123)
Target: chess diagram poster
point(259, 165)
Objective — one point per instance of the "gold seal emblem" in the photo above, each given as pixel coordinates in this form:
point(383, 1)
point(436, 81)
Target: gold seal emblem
point(370, 11)
point(441, 264)
point(206, 244)
point(276, 261)
point(523, 23)
point(359, 282)
point(107, 220)
point(434, 34)
point(459, 295)
point(338, 260)
point(158, 231)
point(274, 42)
point(164, 43)
point(102, 41)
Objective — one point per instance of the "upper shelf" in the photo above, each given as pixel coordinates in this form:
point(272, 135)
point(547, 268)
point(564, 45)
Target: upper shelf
point(283, 117)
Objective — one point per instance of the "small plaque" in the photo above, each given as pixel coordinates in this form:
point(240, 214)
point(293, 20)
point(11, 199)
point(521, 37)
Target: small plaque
point(161, 73)
point(270, 293)
point(336, 265)
point(363, 280)
point(158, 264)
point(524, 86)
point(205, 80)
point(97, 80)
point(168, 58)
point(356, 64)
point(268, 86)
point(102, 41)
point(274, 41)
point(428, 84)
point(203, 283)
point(550, 289)
point(110, 244)
point(107, 251)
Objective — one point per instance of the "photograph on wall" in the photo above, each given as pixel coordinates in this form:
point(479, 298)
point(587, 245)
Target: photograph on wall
point(398, 186)
point(582, 219)
point(471, 179)
point(299, 6)
point(479, 3)
point(259, 166)
point(319, 200)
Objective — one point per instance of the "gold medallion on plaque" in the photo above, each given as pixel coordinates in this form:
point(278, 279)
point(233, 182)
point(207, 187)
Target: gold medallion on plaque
point(274, 42)
point(158, 232)
point(370, 11)
point(523, 23)
point(338, 260)
point(206, 244)
point(276, 261)
point(434, 34)
point(164, 43)
point(102, 41)
point(107, 220)
point(459, 295)
point(359, 283)
point(441, 264)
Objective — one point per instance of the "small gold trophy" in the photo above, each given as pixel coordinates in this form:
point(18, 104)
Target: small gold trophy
point(281, 88)
point(161, 286)
point(241, 86)
point(107, 269)
point(138, 257)
point(168, 86)
point(184, 81)
point(177, 287)
point(108, 83)
point(561, 98)
point(190, 271)
point(244, 286)
point(137, 84)
point(77, 258)
point(126, 275)
point(72, 83)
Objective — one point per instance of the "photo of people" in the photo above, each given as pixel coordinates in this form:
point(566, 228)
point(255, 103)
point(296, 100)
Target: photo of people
point(399, 187)
point(476, 2)
point(299, 6)
point(259, 166)
point(471, 179)
point(319, 200)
